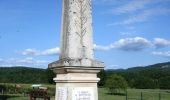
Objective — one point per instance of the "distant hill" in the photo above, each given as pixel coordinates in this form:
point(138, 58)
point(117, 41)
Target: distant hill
point(20, 74)
point(159, 66)
point(151, 76)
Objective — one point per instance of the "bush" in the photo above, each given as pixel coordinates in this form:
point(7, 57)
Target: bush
point(144, 83)
point(164, 82)
point(115, 84)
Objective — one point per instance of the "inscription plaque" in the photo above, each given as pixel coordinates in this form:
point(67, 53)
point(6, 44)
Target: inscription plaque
point(62, 93)
point(83, 93)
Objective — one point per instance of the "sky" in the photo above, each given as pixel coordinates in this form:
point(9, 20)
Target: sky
point(127, 33)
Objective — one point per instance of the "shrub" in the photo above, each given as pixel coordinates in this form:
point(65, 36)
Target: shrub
point(116, 83)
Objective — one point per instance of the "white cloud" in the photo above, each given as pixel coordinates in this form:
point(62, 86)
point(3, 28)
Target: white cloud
point(134, 44)
point(25, 60)
point(139, 10)
point(125, 33)
point(106, 2)
point(160, 42)
point(143, 16)
point(103, 48)
point(34, 52)
point(132, 6)
point(29, 52)
point(135, 5)
point(28, 61)
point(52, 51)
point(127, 44)
point(165, 54)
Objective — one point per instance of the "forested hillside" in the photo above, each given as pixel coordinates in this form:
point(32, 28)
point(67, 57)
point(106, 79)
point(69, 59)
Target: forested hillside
point(25, 75)
point(145, 77)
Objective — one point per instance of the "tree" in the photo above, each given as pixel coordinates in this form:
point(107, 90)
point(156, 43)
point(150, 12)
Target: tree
point(102, 76)
point(142, 82)
point(164, 82)
point(115, 83)
point(50, 75)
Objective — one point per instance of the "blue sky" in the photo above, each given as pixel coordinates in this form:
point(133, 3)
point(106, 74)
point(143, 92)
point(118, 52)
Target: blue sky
point(127, 33)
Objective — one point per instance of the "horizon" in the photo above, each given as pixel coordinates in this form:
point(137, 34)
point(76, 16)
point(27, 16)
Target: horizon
point(104, 68)
point(126, 33)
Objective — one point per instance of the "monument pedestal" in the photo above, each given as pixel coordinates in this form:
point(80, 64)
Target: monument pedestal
point(76, 83)
point(76, 79)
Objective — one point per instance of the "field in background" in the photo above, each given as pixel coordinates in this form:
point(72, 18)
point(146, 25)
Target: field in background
point(132, 94)
point(136, 94)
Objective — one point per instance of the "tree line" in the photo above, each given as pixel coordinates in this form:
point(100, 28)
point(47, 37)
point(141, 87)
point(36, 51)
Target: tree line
point(147, 77)
point(25, 75)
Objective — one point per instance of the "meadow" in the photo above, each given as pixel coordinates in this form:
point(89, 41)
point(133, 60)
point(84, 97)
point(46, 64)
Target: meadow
point(131, 94)
point(136, 94)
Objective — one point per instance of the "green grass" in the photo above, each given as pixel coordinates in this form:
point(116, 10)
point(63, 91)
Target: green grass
point(148, 94)
point(103, 95)
point(135, 94)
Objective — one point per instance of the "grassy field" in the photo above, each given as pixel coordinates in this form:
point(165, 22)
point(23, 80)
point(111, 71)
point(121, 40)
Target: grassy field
point(103, 95)
point(136, 94)
point(132, 94)
point(148, 94)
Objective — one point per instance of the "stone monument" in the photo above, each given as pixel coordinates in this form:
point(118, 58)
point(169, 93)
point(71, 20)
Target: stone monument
point(76, 68)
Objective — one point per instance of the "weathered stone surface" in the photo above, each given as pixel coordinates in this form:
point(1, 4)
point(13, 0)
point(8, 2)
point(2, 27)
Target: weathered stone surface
point(76, 62)
point(73, 81)
point(76, 35)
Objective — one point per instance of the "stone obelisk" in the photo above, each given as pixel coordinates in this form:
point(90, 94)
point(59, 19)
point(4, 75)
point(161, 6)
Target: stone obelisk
point(76, 68)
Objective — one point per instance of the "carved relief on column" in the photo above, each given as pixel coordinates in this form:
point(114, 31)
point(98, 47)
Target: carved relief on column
point(84, 24)
point(77, 30)
point(87, 28)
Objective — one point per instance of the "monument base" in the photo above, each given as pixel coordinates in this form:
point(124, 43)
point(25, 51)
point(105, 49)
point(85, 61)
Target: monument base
point(77, 83)
point(76, 78)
